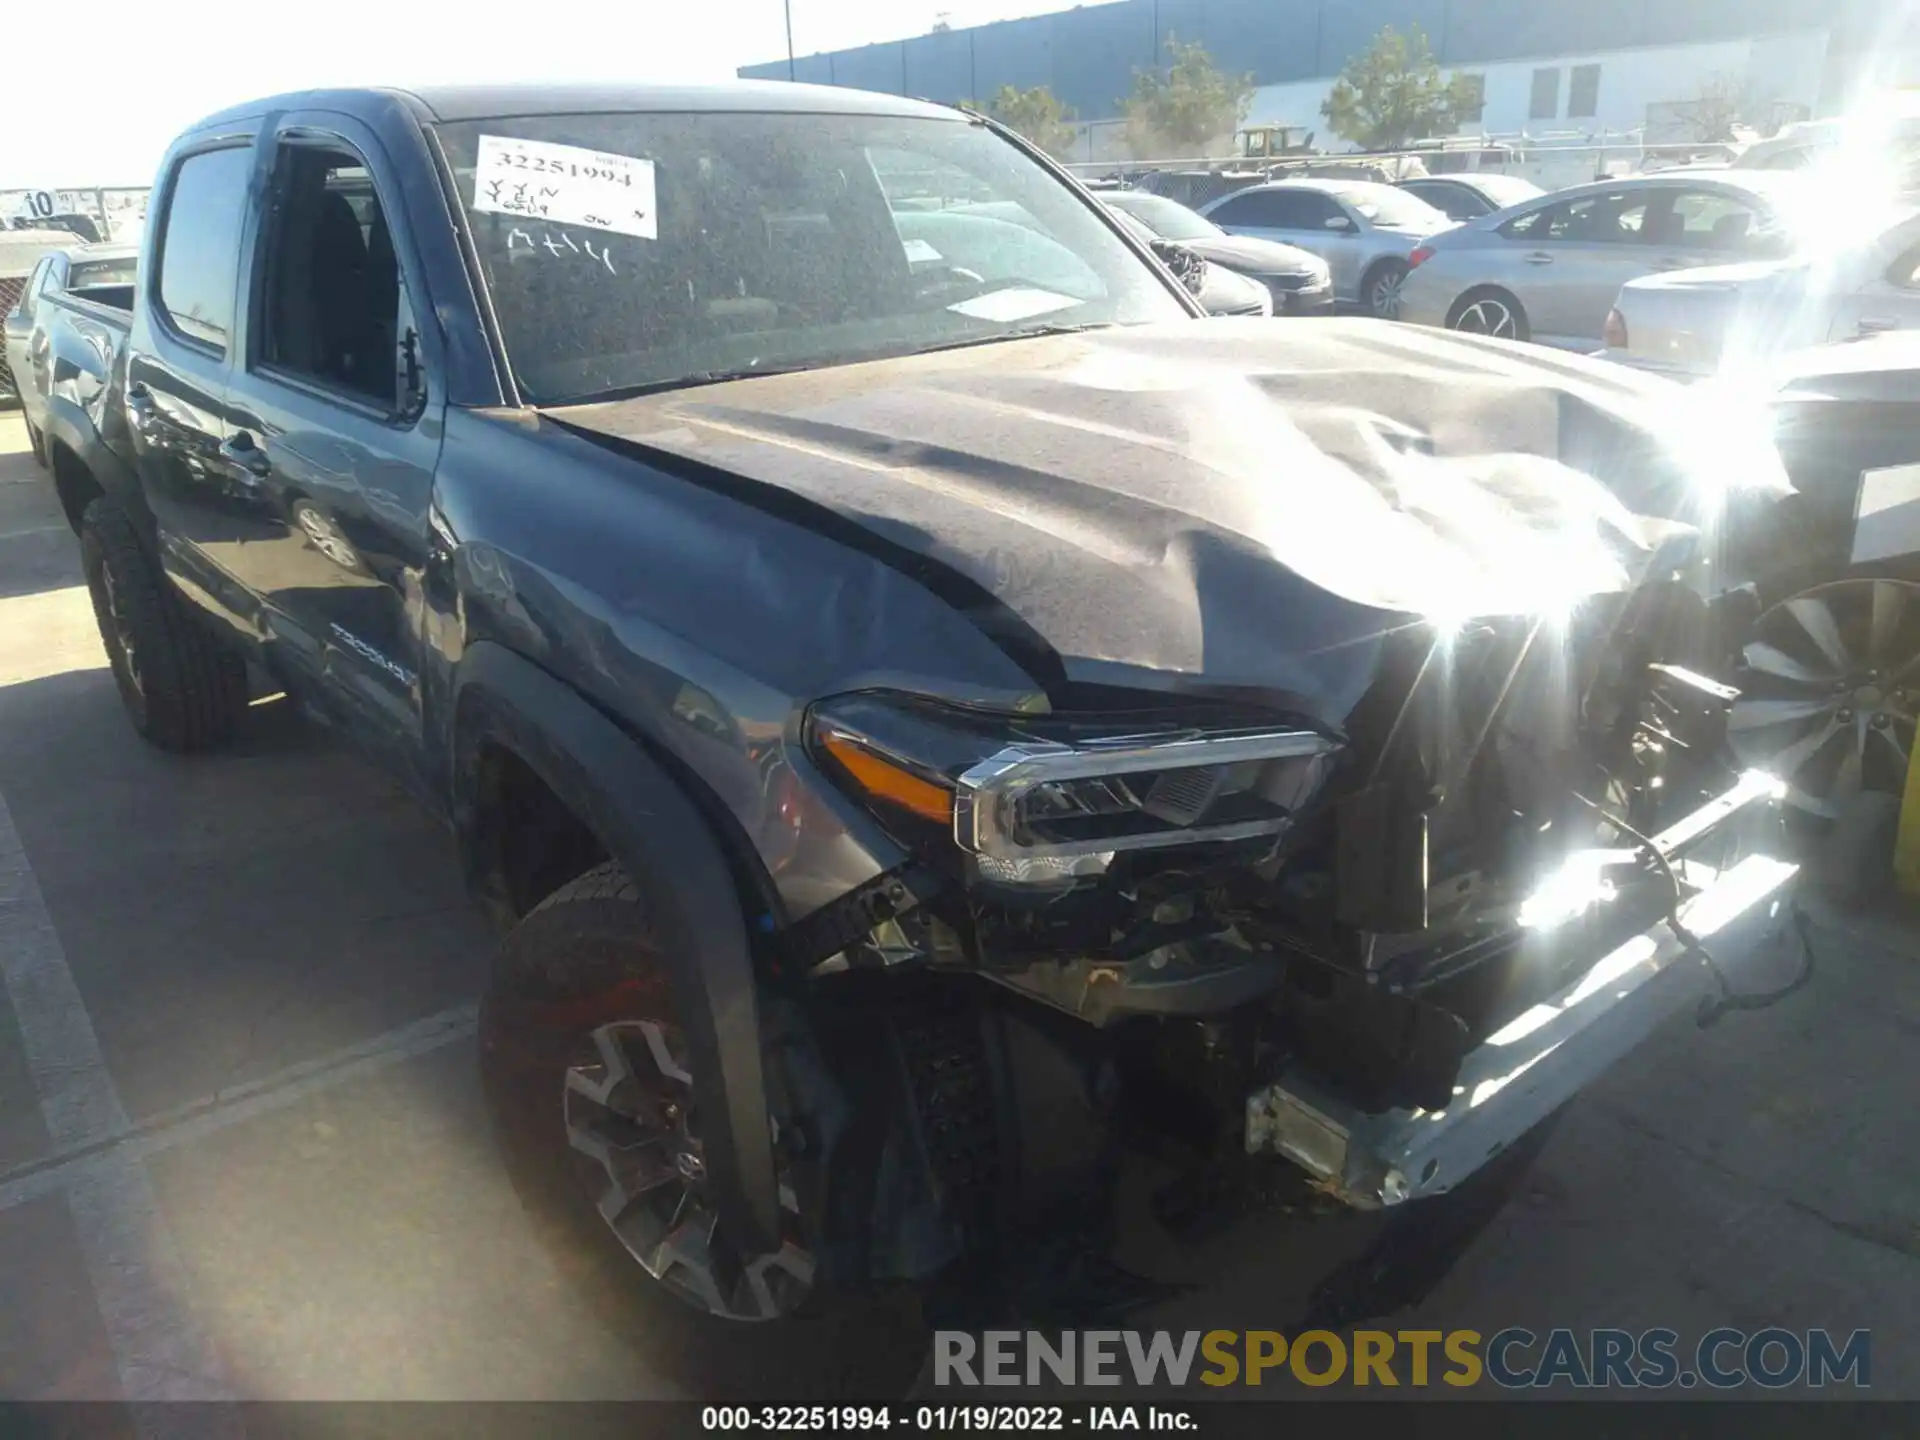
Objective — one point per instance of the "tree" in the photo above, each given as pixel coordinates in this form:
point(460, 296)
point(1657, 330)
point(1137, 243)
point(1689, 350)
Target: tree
point(942, 23)
point(1036, 114)
point(1710, 116)
point(1193, 104)
point(1394, 94)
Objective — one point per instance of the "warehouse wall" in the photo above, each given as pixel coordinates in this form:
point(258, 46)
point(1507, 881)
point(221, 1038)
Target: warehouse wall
point(1088, 55)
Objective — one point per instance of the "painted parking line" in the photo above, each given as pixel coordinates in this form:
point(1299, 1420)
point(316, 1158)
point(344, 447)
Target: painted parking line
point(234, 1105)
point(160, 1351)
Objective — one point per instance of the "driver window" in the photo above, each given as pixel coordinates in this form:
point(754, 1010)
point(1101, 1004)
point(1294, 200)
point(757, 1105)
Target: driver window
point(332, 286)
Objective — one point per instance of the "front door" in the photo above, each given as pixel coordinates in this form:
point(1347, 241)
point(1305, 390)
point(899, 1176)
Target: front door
point(334, 396)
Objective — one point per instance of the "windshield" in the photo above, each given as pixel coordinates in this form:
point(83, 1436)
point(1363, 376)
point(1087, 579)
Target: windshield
point(1168, 219)
point(639, 250)
point(1384, 205)
point(1505, 190)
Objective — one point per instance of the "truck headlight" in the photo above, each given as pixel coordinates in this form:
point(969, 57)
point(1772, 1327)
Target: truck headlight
point(1029, 796)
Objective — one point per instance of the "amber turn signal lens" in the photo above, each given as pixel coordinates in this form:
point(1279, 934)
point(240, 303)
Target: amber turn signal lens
point(884, 780)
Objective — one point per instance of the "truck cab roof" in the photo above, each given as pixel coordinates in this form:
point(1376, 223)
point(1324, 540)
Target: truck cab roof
point(477, 102)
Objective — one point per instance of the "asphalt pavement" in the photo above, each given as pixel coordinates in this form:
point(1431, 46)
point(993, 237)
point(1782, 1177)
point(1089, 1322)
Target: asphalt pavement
point(242, 1150)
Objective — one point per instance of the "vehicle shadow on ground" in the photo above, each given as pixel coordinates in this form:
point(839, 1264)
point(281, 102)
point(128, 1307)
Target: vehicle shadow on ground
point(274, 902)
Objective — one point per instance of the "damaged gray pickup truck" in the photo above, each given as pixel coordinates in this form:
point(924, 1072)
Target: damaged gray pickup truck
point(929, 707)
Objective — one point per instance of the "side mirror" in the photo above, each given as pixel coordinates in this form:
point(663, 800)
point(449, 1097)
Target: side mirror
point(1338, 222)
point(1187, 266)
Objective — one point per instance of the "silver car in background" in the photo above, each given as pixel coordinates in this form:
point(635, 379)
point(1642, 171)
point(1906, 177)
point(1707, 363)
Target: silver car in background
point(1694, 323)
point(1364, 231)
point(1473, 194)
point(1549, 269)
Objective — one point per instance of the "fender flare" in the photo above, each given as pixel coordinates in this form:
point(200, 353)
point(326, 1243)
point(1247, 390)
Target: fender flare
point(649, 824)
point(69, 426)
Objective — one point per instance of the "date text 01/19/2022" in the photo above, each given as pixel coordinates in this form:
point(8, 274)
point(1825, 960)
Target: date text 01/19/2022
point(943, 1419)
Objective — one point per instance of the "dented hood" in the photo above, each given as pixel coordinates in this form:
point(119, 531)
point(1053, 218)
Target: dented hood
point(1227, 505)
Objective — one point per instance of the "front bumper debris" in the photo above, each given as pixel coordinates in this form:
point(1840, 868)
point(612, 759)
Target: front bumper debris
point(1530, 1067)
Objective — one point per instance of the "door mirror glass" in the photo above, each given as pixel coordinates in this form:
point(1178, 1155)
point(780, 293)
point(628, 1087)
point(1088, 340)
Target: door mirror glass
point(1338, 222)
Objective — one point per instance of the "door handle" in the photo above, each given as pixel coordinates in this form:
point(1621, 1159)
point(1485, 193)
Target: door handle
point(139, 408)
point(240, 449)
point(1539, 257)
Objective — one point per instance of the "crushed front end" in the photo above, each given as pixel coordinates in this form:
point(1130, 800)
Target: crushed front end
point(1386, 950)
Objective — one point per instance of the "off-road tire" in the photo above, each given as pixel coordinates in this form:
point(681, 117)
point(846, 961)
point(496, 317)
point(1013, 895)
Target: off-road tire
point(188, 691)
point(587, 957)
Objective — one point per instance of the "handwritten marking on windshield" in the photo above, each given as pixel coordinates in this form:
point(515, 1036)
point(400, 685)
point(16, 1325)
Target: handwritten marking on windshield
point(561, 246)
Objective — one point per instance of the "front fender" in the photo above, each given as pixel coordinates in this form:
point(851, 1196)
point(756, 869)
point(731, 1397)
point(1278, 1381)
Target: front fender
point(651, 826)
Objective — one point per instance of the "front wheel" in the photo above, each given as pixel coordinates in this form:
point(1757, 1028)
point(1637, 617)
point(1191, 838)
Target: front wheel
point(590, 1085)
point(1381, 293)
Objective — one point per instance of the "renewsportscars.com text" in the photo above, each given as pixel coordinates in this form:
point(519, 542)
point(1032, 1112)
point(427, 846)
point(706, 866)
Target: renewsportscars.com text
point(1512, 1359)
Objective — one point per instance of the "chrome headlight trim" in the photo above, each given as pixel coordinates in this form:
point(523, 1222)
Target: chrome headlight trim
point(985, 793)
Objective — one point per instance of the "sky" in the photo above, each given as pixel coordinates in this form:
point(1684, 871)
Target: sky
point(139, 71)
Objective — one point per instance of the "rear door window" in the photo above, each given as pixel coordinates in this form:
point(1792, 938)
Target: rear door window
point(200, 243)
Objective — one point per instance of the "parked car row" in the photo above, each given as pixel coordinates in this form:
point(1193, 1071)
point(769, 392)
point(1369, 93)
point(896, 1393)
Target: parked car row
point(1680, 273)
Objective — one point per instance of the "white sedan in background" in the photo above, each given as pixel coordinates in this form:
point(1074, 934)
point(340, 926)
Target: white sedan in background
point(1693, 323)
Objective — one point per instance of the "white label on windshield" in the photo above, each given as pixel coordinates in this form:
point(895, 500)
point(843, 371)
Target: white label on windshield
point(565, 184)
point(1018, 302)
point(919, 252)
